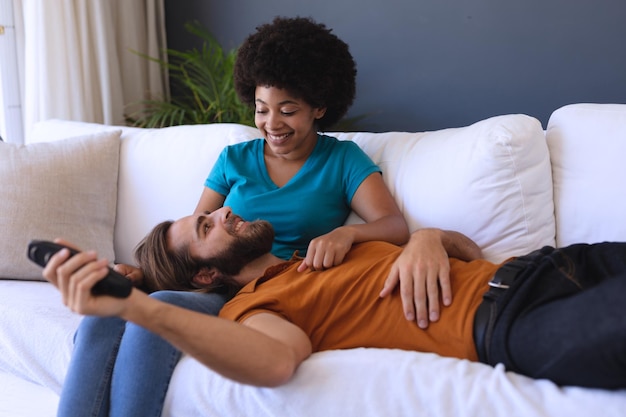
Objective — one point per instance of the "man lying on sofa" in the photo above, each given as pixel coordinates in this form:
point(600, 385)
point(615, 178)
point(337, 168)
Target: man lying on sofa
point(556, 313)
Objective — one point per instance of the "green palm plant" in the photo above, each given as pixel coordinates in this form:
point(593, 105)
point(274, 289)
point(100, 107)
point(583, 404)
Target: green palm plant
point(202, 88)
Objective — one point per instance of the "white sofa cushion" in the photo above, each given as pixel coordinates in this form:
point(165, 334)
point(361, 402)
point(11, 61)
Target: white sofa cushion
point(588, 150)
point(63, 189)
point(490, 180)
point(162, 174)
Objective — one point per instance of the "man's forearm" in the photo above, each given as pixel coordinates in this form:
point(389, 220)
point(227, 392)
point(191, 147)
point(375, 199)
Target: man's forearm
point(231, 349)
point(459, 246)
point(456, 244)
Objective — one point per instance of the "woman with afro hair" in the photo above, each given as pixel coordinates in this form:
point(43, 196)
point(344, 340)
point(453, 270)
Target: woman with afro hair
point(300, 80)
point(302, 57)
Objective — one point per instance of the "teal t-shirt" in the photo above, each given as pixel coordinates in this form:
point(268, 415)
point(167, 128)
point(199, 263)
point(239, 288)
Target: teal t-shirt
point(314, 202)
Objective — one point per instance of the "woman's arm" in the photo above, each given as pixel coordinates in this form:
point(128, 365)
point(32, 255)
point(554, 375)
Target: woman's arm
point(384, 221)
point(374, 204)
point(210, 201)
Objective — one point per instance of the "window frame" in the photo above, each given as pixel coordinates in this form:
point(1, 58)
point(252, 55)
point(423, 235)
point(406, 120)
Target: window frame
point(11, 119)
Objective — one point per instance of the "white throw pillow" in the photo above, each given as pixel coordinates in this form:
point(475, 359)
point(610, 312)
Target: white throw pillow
point(588, 151)
point(490, 181)
point(62, 189)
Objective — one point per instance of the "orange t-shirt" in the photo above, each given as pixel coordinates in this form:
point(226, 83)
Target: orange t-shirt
point(339, 308)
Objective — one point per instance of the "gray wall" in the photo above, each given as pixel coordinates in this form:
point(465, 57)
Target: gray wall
point(431, 64)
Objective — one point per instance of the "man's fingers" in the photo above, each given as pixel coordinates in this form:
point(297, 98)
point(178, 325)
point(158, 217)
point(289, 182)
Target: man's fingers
point(446, 287)
point(390, 282)
point(423, 291)
point(49, 271)
point(432, 283)
point(418, 299)
point(81, 281)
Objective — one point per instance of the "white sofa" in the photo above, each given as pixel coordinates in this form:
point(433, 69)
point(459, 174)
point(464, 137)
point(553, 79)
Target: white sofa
point(503, 181)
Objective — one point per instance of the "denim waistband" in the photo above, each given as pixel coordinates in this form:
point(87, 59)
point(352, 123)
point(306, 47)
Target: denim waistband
point(502, 281)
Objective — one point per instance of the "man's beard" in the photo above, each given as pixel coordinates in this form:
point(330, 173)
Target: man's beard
point(256, 240)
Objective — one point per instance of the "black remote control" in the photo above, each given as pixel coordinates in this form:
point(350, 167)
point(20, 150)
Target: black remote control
point(114, 284)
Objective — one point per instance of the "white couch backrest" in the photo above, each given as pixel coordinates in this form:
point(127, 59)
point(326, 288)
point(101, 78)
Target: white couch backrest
point(490, 180)
point(587, 145)
point(162, 173)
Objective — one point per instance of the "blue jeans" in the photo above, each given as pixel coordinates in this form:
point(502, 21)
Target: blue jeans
point(121, 369)
point(564, 318)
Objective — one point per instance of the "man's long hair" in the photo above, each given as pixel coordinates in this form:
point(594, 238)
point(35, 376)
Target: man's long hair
point(166, 269)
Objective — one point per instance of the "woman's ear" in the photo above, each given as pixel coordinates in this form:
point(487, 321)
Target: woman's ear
point(320, 112)
point(205, 277)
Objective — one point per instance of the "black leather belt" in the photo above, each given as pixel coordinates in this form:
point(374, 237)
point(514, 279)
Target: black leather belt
point(486, 313)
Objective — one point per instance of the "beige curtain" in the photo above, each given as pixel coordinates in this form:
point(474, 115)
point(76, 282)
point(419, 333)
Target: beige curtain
point(79, 62)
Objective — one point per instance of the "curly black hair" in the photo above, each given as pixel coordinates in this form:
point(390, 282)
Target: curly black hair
point(303, 57)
